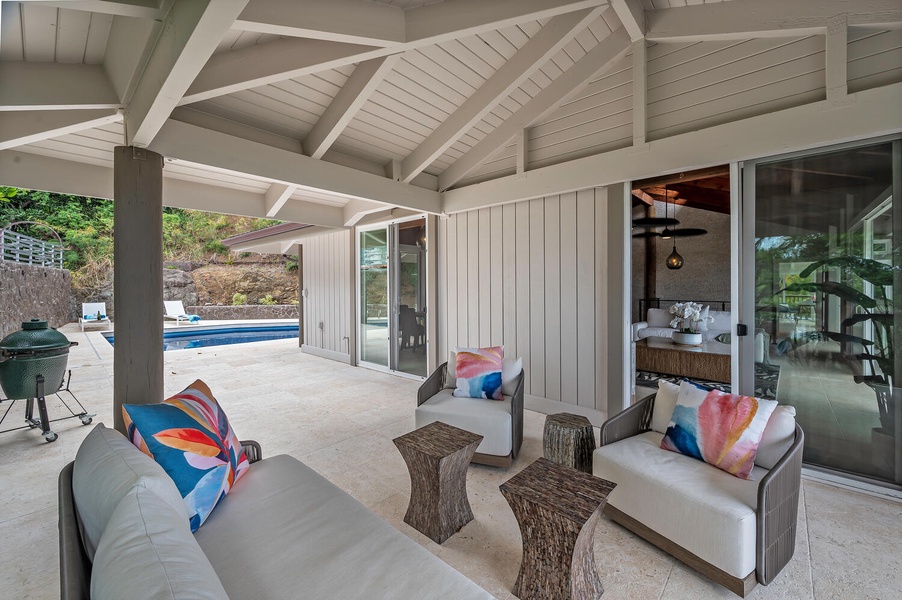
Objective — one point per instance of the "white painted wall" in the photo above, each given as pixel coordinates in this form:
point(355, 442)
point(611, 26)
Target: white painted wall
point(532, 276)
point(327, 266)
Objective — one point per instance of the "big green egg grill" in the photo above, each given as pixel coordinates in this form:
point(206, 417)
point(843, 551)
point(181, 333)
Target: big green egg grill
point(32, 365)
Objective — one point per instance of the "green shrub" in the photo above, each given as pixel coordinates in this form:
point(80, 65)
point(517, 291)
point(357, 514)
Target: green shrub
point(239, 299)
point(291, 265)
point(268, 300)
point(216, 246)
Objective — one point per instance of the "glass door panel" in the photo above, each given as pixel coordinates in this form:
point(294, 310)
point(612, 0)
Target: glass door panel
point(410, 282)
point(827, 266)
point(374, 297)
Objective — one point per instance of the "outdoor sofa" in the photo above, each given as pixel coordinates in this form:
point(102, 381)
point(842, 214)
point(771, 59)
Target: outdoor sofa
point(283, 531)
point(736, 532)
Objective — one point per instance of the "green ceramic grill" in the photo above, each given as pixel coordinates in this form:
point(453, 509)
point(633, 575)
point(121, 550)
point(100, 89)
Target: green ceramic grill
point(34, 350)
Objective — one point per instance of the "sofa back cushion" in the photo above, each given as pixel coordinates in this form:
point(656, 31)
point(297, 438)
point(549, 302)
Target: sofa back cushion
point(148, 551)
point(665, 400)
point(779, 435)
point(721, 320)
point(658, 317)
point(107, 466)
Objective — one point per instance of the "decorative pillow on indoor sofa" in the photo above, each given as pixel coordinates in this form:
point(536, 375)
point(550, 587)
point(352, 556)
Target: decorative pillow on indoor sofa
point(190, 437)
point(722, 429)
point(478, 372)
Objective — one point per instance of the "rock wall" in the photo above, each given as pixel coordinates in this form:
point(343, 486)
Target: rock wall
point(230, 313)
point(28, 292)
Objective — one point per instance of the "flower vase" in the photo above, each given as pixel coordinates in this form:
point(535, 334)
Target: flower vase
point(687, 339)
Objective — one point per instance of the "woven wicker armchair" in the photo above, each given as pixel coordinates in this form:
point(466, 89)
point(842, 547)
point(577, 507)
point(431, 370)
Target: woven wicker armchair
point(776, 510)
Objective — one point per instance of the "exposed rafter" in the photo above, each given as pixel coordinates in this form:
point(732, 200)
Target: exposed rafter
point(282, 59)
point(536, 52)
point(353, 95)
point(141, 9)
point(743, 19)
point(568, 83)
point(190, 35)
point(52, 86)
point(356, 210)
point(198, 145)
point(18, 128)
point(276, 197)
point(632, 15)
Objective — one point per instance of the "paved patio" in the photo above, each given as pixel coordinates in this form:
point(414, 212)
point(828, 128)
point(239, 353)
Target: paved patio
point(341, 420)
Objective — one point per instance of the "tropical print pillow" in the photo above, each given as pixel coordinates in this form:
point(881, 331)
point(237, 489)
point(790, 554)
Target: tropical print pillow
point(722, 429)
point(478, 372)
point(190, 437)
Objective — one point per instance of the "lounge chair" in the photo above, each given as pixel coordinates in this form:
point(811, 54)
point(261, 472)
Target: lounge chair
point(94, 313)
point(175, 311)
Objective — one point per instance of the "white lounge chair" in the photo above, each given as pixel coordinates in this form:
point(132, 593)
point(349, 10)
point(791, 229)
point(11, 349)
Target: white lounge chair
point(94, 313)
point(175, 311)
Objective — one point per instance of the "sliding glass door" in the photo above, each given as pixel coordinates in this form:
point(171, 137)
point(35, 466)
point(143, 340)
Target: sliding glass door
point(823, 248)
point(392, 294)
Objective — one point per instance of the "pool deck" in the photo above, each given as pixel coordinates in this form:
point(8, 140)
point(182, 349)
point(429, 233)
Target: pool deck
point(341, 420)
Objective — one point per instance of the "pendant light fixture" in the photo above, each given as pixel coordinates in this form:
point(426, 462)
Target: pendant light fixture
point(674, 261)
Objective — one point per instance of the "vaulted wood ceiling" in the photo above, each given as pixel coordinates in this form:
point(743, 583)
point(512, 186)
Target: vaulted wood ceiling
point(329, 111)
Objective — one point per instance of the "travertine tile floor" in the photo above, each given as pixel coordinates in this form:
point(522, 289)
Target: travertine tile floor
point(341, 420)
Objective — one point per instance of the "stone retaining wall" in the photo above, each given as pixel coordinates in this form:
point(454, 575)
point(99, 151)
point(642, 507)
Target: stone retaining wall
point(28, 292)
point(249, 311)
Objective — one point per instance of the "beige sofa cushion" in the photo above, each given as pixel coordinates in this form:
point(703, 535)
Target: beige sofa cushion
point(107, 466)
point(703, 509)
point(779, 434)
point(489, 418)
point(285, 532)
point(148, 552)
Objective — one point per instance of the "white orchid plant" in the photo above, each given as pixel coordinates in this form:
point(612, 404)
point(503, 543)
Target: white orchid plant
point(688, 316)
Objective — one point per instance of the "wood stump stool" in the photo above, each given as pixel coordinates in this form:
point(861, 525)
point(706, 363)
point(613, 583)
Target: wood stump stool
point(569, 440)
point(437, 457)
point(557, 509)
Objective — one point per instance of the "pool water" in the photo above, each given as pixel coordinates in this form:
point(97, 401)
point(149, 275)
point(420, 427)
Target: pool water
point(222, 336)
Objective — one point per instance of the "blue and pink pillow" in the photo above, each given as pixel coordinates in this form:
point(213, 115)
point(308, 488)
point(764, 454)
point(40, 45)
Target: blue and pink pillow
point(190, 436)
point(724, 430)
point(478, 372)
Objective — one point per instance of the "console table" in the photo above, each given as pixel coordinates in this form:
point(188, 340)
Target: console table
point(557, 509)
point(711, 361)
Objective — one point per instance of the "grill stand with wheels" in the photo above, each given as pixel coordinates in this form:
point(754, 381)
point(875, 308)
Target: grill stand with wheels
point(44, 420)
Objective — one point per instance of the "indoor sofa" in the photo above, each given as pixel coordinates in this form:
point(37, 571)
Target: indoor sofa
point(657, 324)
point(283, 531)
point(734, 531)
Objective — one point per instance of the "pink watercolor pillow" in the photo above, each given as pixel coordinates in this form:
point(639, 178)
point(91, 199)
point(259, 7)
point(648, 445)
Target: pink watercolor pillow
point(478, 372)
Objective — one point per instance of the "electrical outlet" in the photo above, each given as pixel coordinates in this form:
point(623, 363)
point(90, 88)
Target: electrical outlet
point(321, 325)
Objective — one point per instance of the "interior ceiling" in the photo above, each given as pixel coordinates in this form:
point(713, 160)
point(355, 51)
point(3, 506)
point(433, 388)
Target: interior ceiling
point(704, 189)
point(328, 112)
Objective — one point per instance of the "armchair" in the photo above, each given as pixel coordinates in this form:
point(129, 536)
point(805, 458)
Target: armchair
point(499, 422)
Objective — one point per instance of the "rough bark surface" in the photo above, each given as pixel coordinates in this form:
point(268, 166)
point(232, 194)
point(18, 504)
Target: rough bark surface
point(569, 440)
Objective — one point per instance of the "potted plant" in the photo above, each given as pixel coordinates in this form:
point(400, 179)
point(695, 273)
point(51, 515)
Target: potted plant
point(688, 316)
point(873, 361)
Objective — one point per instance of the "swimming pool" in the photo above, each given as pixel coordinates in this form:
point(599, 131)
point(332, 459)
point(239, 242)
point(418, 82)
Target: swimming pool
point(173, 339)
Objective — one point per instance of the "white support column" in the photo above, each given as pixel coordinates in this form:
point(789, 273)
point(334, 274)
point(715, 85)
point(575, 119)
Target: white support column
point(432, 359)
point(640, 93)
point(352, 305)
point(837, 57)
point(619, 269)
point(138, 279)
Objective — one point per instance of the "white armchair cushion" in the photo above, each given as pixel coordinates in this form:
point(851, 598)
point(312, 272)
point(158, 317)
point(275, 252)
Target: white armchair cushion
point(665, 401)
point(489, 418)
point(710, 512)
point(779, 434)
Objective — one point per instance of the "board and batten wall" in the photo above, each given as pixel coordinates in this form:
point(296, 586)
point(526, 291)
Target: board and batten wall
point(533, 276)
point(327, 279)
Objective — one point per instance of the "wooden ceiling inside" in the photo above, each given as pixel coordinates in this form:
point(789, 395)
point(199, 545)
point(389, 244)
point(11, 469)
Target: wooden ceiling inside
point(705, 189)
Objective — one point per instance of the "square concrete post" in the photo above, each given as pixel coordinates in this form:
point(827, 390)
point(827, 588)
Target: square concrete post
point(138, 279)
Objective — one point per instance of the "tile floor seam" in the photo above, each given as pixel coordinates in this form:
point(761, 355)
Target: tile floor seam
point(667, 581)
point(808, 543)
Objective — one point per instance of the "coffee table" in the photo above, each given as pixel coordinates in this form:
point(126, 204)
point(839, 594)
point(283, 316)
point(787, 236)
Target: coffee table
point(437, 456)
point(557, 509)
point(711, 361)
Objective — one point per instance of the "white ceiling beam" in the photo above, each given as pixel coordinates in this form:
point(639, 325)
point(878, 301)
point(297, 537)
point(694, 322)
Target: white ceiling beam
point(836, 51)
point(18, 128)
point(276, 244)
point(744, 19)
point(263, 64)
point(350, 98)
point(190, 35)
point(348, 21)
point(556, 34)
point(606, 53)
point(129, 47)
point(204, 146)
point(356, 210)
point(140, 9)
point(442, 21)
point(873, 112)
point(632, 15)
point(311, 213)
point(276, 197)
point(52, 86)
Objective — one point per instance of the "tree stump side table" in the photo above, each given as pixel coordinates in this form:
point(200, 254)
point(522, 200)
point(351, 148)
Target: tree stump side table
point(569, 440)
point(437, 457)
point(557, 509)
